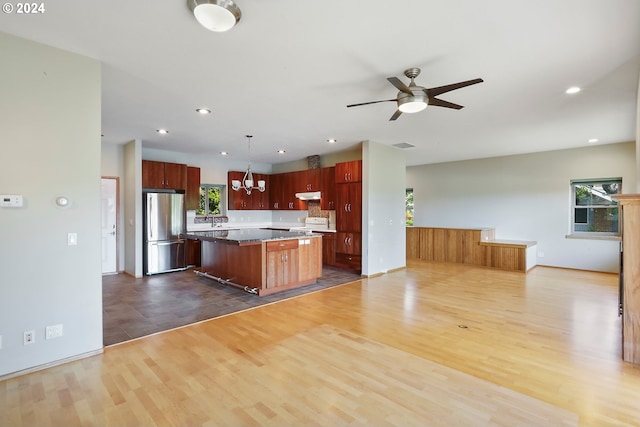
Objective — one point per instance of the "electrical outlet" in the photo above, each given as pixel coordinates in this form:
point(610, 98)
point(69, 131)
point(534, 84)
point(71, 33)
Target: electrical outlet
point(53, 331)
point(29, 337)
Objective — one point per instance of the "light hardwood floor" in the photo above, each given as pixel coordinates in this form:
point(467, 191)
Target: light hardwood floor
point(538, 349)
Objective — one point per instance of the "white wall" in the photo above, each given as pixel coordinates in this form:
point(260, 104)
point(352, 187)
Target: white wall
point(383, 208)
point(132, 209)
point(112, 165)
point(50, 133)
point(524, 197)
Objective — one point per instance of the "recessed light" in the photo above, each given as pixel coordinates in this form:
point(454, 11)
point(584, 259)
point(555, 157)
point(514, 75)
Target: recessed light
point(223, 153)
point(162, 131)
point(572, 90)
point(281, 151)
point(203, 111)
point(593, 140)
point(331, 141)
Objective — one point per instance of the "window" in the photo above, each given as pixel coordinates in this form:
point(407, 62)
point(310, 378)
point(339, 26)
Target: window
point(210, 199)
point(408, 201)
point(594, 212)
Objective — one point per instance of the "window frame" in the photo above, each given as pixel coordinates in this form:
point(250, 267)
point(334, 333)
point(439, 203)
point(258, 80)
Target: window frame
point(409, 209)
point(574, 184)
point(223, 207)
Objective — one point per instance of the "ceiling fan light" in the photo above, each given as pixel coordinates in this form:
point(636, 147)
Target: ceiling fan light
point(412, 103)
point(412, 106)
point(215, 15)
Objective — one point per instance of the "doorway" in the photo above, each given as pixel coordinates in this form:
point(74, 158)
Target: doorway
point(109, 224)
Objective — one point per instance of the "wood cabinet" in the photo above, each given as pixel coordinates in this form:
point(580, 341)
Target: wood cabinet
point(192, 196)
point(240, 200)
point(309, 256)
point(328, 188)
point(284, 187)
point(282, 263)
point(291, 185)
point(349, 171)
point(329, 249)
point(308, 180)
point(164, 175)
point(275, 191)
point(348, 189)
point(630, 276)
point(194, 252)
point(349, 207)
point(260, 199)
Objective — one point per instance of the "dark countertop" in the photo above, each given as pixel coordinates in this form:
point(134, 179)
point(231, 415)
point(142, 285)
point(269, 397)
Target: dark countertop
point(248, 235)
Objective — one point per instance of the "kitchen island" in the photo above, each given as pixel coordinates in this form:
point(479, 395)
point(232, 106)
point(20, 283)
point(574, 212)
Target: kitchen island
point(258, 260)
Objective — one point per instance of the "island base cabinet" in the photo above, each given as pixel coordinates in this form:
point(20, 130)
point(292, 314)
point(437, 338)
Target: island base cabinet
point(263, 267)
point(282, 263)
point(239, 264)
point(309, 259)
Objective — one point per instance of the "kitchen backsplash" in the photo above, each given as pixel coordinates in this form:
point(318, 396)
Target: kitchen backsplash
point(215, 219)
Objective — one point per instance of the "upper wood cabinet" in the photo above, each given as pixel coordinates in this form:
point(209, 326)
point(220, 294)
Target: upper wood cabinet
point(192, 197)
point(240, 200)
point(260, 199)
point(275, 191)
point(164, 175)
point(308, 180)
point(328, 188)
point(349, 171)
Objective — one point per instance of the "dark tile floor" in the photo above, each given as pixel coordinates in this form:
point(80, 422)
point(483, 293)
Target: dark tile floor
point(133, 308)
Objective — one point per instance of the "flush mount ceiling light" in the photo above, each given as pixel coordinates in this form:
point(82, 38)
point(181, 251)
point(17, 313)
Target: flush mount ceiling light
point(203, 111)
point(247, 180)
point(215, 15)
point(162, 131)
point(572, 90)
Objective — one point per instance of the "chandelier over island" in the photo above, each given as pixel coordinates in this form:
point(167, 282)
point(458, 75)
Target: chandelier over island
point(247, 180)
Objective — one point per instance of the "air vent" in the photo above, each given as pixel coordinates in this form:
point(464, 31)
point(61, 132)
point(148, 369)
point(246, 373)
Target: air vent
point(404, 145)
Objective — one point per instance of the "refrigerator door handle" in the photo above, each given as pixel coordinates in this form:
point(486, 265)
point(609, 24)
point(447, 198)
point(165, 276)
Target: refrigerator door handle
point(151, 219)
point(173, 242)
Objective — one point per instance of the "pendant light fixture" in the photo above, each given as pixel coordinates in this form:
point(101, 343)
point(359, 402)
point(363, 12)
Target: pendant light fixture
point(215, 15)
point(247, 180)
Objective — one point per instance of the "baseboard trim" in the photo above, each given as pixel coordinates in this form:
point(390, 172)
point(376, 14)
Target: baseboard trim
point(50, 365)
point(369, 276)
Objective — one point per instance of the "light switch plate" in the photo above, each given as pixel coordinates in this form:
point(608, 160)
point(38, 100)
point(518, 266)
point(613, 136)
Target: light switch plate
point(72, 239)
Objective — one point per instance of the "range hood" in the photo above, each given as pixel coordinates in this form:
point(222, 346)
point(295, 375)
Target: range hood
point(309, 195)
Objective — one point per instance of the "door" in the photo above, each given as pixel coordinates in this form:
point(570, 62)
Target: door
point(109, 225)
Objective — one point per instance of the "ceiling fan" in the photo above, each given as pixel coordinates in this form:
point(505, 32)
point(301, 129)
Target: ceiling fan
point(414, 98)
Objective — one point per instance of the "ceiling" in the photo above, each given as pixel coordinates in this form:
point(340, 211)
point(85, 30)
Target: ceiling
point(287, 71)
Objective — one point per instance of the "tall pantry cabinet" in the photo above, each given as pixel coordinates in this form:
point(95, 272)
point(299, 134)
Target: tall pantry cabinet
point(349, 215)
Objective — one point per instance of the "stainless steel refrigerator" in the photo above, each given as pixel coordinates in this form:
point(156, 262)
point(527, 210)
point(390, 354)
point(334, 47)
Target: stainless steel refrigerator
point(164, 226)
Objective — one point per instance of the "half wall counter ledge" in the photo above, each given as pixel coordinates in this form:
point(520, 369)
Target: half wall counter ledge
point(260, 261)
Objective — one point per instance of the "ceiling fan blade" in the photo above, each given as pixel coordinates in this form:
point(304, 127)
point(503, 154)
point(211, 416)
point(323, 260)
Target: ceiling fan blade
point(435, 91)
point(399, 85)
point(442, 103)
point(372, 102)
point(395, 115)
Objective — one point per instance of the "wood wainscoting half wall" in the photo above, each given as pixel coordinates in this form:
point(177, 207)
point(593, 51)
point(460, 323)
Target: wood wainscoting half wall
point(470, 246)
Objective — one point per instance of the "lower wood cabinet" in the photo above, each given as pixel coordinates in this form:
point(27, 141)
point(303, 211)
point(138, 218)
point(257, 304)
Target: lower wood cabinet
point(282, 263)
point(309, 253)
point(349, 262)
point(194, 252)
point(349, 250)
point(329, 249)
